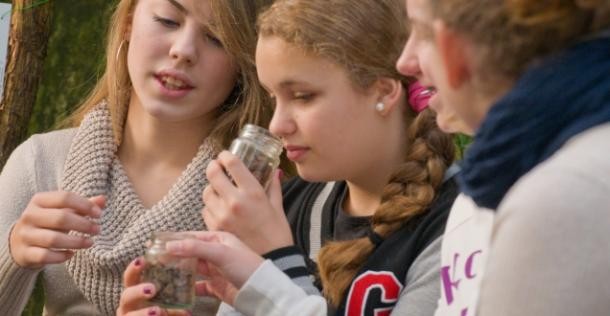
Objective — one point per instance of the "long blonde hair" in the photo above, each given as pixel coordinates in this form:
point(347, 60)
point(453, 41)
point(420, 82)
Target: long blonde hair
point(234, 24)
point(366, 38)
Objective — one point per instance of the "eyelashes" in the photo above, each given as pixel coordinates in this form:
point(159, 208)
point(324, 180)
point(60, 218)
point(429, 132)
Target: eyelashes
point(304, 96)
point(166, 22)
point(169, 23)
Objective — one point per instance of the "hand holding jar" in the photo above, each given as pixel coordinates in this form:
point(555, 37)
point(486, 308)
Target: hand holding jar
point(160, 283)
point(236, 198)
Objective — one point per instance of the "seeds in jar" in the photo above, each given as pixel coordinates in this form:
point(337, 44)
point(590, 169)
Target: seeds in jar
point(174, 286)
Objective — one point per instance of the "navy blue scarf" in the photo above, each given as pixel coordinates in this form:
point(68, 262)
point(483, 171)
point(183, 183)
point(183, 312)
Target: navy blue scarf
point(552, 102)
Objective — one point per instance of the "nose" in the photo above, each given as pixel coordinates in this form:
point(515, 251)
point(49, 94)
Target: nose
point(184, 48)
point(282, 123)
point(408, 62)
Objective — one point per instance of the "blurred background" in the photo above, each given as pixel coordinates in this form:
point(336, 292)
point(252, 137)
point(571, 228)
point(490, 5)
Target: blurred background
point(74, 58)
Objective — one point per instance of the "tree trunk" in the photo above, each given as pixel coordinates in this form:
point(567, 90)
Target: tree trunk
point(27, 49)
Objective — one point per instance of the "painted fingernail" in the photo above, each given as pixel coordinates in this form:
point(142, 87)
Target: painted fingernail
point(280, 174)
point(152, 312)
point(137, 262)
point(147, 290)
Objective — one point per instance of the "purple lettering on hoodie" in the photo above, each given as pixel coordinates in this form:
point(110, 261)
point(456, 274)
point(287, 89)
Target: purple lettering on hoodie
point(451, 282)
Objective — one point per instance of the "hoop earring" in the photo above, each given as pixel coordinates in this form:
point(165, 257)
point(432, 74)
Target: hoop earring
point(118, 51)
point(380, 107)
point(119, 90)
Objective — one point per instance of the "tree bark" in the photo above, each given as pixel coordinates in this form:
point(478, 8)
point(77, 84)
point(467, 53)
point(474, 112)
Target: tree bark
point(27, 49)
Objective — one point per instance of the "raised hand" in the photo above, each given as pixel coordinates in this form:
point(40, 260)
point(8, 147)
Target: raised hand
point(41, 235)
point(243, 207)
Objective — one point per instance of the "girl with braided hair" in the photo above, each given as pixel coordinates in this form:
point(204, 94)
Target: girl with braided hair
point(369, 206)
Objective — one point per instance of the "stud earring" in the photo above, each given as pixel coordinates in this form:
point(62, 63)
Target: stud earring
point(380, 107)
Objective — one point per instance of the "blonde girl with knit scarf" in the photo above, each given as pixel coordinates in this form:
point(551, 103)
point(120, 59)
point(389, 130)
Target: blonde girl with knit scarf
point(78, 204)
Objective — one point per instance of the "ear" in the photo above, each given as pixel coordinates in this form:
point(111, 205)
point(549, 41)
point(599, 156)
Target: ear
point(454, 53)
point(390, 92)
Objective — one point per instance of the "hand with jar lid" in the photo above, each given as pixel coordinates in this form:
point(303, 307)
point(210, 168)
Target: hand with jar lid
point(236, 201)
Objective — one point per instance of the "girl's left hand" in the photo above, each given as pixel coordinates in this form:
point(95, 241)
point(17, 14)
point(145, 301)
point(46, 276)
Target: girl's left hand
point(243, 207)
point(135, 296)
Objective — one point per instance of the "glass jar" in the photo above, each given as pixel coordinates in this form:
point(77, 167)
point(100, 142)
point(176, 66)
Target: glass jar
point(173, 277)
point(259, 150)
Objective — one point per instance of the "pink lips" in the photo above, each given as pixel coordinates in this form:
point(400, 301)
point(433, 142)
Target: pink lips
point(295, 153)
point(174, 93)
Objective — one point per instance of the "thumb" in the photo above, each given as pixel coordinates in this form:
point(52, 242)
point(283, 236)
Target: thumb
point(275, 190)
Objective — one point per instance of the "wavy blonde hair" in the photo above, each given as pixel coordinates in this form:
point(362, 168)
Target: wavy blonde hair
point(366, 38)
point(234, 22)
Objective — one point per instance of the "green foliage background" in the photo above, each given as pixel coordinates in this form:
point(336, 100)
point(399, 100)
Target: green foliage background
point(74, 60)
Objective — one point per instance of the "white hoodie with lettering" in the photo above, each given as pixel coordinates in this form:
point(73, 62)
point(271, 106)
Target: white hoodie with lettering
point(464, 253)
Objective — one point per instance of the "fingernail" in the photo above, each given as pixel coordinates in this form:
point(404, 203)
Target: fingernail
point(147, 290)
point(175, 247)
point(152, 312)
point(137, 262)
point(280, 173)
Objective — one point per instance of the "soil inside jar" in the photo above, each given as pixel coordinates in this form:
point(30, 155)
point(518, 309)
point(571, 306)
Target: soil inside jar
point(174, 286)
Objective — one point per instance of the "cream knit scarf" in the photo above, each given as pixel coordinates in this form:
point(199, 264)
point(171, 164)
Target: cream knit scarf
point(92, 168)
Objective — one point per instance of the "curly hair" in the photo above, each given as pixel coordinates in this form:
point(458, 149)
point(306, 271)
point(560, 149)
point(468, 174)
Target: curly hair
point(513, 34)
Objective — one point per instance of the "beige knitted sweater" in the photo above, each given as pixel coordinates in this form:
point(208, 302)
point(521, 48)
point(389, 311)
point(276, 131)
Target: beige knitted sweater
point(83, 160)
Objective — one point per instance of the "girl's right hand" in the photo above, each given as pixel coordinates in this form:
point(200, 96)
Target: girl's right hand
point(41, 235)
point(241, 206)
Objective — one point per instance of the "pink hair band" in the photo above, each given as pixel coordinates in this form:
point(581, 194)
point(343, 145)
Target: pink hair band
point(419, 96)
